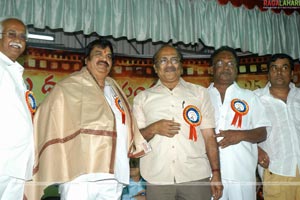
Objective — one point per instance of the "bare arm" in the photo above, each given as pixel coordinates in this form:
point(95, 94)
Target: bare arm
point(213, 157)
point(163, 127)
point(231, 137)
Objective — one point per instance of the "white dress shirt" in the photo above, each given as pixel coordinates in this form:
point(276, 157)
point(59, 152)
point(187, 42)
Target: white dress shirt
point(283, 141)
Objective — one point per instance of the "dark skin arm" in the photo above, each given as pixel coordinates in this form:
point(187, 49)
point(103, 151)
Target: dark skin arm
point(231, 137)
point(263, 158)
point(213, 157)
point(163, 127)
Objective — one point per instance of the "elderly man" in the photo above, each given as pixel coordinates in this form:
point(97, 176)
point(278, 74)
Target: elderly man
point(16, 144)
point(177, 119)
point(84, 132)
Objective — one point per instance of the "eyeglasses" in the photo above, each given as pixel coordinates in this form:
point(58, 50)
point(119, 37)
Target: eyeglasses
point(164, 61)
point(14, 35)
point(229, 64)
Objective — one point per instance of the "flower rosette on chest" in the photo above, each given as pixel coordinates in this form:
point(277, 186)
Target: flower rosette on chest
point(120, 107)
point(30, 101)
point(193, 117)
point(241, 108)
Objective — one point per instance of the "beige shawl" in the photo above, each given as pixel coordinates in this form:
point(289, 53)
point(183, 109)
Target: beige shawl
point(74, 132)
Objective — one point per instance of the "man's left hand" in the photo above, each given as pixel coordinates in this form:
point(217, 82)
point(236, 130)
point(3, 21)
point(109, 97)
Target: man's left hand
point(216, 186)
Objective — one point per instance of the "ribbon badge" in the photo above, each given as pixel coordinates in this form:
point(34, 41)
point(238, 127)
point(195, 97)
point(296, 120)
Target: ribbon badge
point(240, 107)
point(118, 103)
point(30, 101)
point(193, 117)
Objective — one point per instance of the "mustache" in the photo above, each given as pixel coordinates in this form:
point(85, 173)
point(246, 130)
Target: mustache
point(170, 69)
point(16, 44)
point(103, 62)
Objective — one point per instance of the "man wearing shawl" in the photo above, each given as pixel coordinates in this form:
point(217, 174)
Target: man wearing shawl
point(85, 133)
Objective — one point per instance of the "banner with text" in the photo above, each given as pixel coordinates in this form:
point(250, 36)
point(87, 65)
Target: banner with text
point(44, 68)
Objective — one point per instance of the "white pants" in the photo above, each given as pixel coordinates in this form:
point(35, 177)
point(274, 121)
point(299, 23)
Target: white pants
point(91, 190)
point(11, 188)
point(234, 190)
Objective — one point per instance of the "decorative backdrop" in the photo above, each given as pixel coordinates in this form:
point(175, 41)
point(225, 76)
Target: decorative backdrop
point(44, 68)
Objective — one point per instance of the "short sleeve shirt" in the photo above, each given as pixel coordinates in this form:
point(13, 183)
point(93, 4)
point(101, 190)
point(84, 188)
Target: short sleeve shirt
point(176, 159)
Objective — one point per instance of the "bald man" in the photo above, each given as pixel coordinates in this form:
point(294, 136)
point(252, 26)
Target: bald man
point(16, 105)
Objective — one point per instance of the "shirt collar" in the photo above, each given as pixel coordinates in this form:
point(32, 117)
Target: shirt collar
point(9, 62)
point(268, 85)
point(180, 83)
point(233, 85)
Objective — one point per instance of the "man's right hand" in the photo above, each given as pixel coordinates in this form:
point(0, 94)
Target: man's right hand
point(167, 128)
point(164, 127)
point(263, 158)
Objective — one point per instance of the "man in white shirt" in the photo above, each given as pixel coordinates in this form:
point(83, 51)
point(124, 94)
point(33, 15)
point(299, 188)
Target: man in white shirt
point(16, 102)
point(279, 155)
point(176, 118)
point(240, 124)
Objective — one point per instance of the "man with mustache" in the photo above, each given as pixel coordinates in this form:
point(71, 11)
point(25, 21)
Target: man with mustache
point(16, 144)
point(279, 155)
point(85, 133)
point(241, 122)
point(176, 118)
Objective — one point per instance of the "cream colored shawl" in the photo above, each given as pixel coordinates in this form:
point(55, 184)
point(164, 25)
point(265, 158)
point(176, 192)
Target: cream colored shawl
point(74, 132)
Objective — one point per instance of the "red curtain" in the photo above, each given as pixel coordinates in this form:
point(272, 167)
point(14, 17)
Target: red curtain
point(250, 4)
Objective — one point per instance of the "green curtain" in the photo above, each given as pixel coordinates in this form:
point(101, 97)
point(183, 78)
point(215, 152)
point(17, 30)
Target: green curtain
point(187, 21)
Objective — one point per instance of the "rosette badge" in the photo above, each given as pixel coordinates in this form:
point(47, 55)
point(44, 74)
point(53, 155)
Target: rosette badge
point(241, 108)
point(31, 103)
point(193, 117)
point(118, 103)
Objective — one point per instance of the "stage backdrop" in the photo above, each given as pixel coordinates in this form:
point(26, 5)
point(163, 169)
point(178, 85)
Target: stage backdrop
point(44, 68)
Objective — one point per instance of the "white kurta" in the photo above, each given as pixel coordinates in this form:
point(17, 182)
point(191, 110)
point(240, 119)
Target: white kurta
point(16, 144)
point(239, 161)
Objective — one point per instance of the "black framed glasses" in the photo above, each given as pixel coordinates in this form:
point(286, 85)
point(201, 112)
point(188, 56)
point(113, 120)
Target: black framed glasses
point(14, 35)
